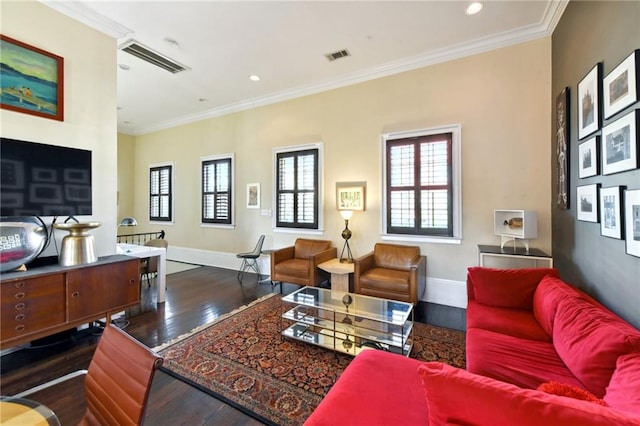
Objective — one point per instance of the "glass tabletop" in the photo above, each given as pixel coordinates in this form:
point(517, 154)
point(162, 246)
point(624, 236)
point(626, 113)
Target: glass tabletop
point(384, 310)
point(22, 411)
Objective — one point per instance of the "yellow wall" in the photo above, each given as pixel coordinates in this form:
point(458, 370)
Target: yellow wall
point(501, 99)
point(90, 120)
point(126, 166)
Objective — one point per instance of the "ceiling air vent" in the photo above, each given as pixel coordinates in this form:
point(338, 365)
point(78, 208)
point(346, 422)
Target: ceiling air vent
point(337, 55)
point(155, 58)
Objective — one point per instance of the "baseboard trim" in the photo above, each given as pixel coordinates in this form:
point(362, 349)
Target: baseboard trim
point(446, 292)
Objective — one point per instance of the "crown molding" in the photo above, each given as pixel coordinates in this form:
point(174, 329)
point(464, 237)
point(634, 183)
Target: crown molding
point(78, 11)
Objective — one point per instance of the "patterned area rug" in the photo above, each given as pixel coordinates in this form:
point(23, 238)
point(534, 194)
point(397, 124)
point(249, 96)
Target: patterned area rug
point(242, 359)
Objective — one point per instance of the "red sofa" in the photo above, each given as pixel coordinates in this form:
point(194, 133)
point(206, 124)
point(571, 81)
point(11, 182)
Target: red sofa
point(525, 328)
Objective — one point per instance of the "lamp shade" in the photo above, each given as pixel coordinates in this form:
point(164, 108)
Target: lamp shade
point(346, 214)
point(129, 221)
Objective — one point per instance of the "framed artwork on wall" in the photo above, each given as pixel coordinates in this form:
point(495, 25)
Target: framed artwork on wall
point(562, 153)
point(589, 90)
point(587, 203)
point(620, 86)
point(632, 221)
point(253, 195)
point(588, 157)
point(32, 80)
point(620, 144)
point(351, 195)
point(610, 216)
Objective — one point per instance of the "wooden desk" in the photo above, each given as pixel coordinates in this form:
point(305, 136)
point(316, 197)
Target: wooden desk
point(25, 412)
point(340, 274)
point(142, 252)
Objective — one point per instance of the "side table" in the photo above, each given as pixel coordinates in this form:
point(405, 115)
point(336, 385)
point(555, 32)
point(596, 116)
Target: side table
point(513, 258)
point(341, 278)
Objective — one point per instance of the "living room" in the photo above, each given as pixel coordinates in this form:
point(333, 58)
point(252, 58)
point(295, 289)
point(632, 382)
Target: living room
point(504, 99)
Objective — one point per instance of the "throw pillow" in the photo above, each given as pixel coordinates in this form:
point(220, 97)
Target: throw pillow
point(455, 396)
point(571, 391)
point(623, 391)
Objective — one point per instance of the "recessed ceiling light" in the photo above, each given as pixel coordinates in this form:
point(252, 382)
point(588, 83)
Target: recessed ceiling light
point(474, 8)
point(254, 77)
point(124, 67)
point(171, 42)
point(202, 100)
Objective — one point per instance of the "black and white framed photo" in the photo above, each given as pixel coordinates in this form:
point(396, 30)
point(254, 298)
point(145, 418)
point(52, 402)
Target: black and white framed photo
point(620, 144)
point(588, 157)
point(589, 90)
point(620, 86)
point(587, 202)
point(610, 217)
point(632, 221)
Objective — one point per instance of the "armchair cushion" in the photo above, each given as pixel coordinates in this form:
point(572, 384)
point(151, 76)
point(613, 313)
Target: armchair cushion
point(391, 256)
point(304, 249)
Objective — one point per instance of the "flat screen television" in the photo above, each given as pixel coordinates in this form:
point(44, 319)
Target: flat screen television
point(44, 180)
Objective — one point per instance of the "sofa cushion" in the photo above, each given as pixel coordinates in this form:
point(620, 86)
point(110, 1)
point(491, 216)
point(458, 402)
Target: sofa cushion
point(392, 256)
point(304, 249)
point(570, 391)
point(506, 288)
point(623, 392)
point(546, 298)
point(377, 388)
point(589, 339)
point(514, 322)
point(522, 362)
point(293, 268)
point(456, 396)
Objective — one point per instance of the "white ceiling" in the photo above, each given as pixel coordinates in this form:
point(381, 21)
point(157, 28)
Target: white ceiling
point(284, 43)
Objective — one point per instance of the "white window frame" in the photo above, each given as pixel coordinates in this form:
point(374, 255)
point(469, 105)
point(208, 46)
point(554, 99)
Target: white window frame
point(274, 220)
point(173, 193)
point(234, 196)
point(456, 164)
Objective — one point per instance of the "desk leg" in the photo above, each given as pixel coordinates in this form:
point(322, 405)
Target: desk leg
point(161, 281)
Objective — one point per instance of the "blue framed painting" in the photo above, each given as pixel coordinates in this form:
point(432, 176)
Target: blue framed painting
point(31, 80)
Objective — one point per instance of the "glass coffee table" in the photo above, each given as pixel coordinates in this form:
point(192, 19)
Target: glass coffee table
point(349, 323)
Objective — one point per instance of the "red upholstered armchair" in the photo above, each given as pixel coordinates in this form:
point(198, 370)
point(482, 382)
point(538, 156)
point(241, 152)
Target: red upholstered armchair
point(393, 272)
point(298, 264)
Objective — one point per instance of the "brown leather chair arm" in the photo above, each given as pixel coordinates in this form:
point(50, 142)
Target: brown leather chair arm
point(280, 255)
point(360, 266)
point(418, 279)
point(317, 276)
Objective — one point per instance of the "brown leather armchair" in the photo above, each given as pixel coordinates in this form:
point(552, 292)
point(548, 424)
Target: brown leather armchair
point(298, 264)
point(393, 272)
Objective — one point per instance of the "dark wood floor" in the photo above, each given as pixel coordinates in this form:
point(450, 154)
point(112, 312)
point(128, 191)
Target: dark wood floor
point(193, 298)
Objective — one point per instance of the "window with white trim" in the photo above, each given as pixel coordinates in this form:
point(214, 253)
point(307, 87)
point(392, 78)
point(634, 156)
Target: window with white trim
point(422, 183)
point(161, 193)
point(217, 190)
point(297, 187)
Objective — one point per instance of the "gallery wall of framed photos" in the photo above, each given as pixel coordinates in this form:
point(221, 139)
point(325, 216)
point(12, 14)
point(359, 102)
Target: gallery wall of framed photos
point(608, 121)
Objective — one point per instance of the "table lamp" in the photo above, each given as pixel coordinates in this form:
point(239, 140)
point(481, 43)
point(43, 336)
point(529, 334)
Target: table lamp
point(346, 234)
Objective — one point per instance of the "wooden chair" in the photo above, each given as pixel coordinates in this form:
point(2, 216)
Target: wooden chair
point(298, 264)
point(393, 272)
point(117, 382)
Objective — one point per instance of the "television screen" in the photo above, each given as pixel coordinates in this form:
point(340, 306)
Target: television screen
point(44, 180)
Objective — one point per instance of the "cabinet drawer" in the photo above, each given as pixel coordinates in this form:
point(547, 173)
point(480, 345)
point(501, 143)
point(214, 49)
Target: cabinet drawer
point(32, 304)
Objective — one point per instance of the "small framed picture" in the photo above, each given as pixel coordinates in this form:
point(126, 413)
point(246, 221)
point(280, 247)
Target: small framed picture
point(589, 90)
point(620, 144)
point(588, 157)
point(632, 221)
point(587, 202)
point(351, 195)
point(253, 195)
point(620, 86)
point(610, 218)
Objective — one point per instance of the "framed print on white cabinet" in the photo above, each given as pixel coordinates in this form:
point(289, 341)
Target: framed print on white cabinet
point(632, 221)
point(620, 86)
point(620, 144)
point(587, 202)
point(610, 217)
point(589, 90)
point(588, 157)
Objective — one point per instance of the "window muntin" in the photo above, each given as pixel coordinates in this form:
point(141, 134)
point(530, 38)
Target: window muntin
point(420, 193)
point(160, 193)
point(217, 194)
point(297, 189)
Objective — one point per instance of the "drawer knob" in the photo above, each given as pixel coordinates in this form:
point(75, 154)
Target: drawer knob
point(19, 284)
point(20, 295)
point(75, 294)
point(20, 317)
point(19, 328)
point(132, 281)
point(20, 306)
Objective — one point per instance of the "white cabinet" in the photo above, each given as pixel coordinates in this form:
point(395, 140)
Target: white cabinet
point(513, 225)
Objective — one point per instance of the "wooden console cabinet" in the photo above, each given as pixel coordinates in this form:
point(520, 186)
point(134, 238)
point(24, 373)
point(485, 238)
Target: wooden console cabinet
point(49, 299)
